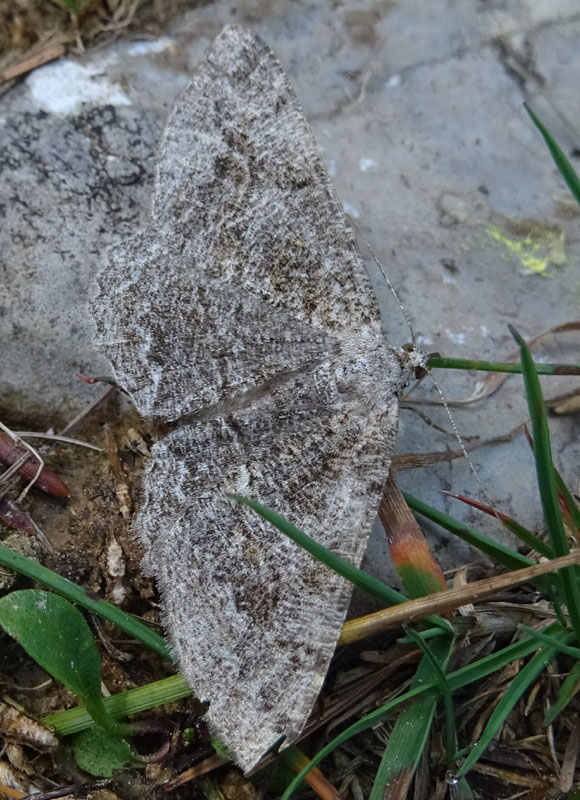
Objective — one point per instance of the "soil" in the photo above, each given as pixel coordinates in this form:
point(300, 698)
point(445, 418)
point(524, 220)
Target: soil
point(92, 545)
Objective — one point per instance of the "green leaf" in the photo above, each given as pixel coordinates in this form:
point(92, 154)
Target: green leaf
point(99, 752)
point(54, 633)
point(134, 627)
point(557, 154)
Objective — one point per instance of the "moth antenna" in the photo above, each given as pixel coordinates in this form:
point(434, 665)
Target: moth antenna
point(461, 442)
point(388, 282)
point(435, 382)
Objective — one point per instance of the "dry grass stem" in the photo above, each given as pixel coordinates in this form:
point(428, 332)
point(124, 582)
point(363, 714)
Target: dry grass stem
point(448, 600)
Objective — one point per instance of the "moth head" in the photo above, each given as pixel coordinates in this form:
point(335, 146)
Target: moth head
point(414, 360)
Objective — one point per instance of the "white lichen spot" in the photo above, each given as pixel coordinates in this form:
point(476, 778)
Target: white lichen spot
point(424, 341)
point(145, 48)
point(352, 211)
point(62, 87)
point(456, 338)
point(366, 163)
point(394, 81)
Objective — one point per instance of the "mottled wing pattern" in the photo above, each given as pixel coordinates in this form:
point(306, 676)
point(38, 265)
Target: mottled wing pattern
point(245, 312)
point(254, 619)
point(180, 341)
point(271, 223)
point(242, 199)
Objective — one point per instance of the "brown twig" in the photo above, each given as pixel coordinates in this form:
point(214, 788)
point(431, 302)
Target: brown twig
point(73, 789)
point(35, 57)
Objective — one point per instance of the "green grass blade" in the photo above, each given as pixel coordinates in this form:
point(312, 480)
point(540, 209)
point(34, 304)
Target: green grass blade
point(495, 661)
point(548, 584)
point(558, 155)
point(438, 662)
point(439, 362)
point(528, 538)
point(376, 717)
point(547, 479)
point(568, 692)
point(411, 731)
point(551, 641)
point(430, 633)
point(133, 701)
point(461, 790)
point(76, 594)
point(498, 552)
point(356, 576)
point(514, 692)
point(406, 744)
point(456, 680)
point(568, 498)
point(525, 536)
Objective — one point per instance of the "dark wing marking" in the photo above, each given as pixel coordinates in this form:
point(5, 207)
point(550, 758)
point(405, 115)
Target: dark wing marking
point(248, 304)
point(252, 618)
point(242, 198)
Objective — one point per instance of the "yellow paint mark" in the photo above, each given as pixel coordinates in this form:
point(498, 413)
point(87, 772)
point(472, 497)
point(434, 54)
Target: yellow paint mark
point(537, 251)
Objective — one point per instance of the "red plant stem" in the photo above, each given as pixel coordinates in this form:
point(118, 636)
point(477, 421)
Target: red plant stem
point(48, 480)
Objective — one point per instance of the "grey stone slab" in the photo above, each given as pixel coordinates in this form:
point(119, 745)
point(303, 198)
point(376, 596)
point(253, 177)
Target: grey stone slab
point(417, 108)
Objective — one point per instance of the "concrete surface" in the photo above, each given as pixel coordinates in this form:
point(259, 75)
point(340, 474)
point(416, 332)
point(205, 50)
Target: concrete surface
point(417, 108)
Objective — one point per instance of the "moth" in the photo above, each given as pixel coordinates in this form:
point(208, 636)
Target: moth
point(244, 314)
